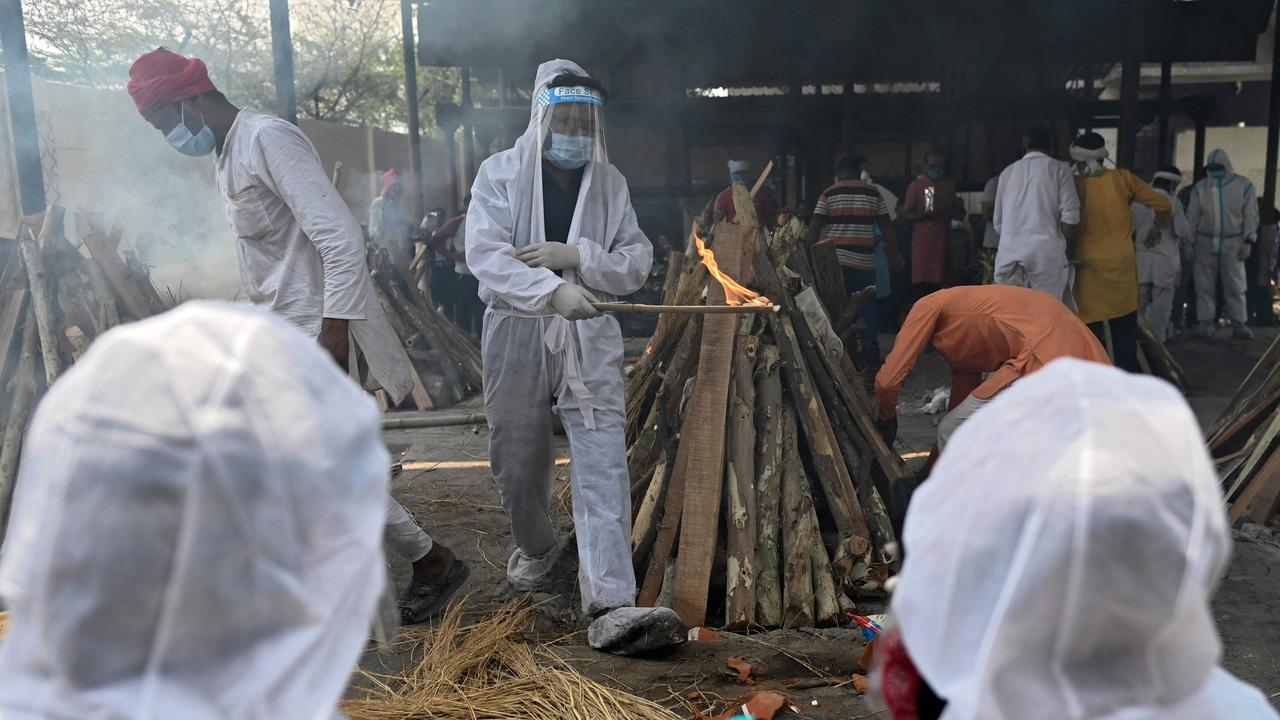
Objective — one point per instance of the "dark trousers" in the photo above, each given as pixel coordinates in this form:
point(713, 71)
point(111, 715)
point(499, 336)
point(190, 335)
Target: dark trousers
point(469, 308)
point(1124, 340)
point(443, 283)
point(854, 280)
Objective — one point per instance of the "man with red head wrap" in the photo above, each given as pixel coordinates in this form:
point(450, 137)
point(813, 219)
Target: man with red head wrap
point(302, 255)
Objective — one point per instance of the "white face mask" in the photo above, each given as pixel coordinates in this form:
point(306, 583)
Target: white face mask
point(182, 140)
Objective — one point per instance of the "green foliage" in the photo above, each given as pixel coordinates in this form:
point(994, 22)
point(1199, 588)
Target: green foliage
point(348, 63)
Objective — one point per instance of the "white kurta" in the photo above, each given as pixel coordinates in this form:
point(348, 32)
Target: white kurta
point(1033, 197)
point(301, 252)
point(1160, 265)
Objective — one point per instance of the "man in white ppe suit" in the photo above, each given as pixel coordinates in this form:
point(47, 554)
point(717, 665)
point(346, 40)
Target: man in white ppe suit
point(1223, 214)
point(1037, 219)
point(551, 228)
point(1065, 571)
point(302, 255)
point(1159, 253)
point(196, 530)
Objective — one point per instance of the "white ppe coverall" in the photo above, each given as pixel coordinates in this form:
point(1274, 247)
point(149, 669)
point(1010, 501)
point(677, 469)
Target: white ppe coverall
point(1159, 267)
point(1223, 214)
point(302, 255)
point(533, 356)
point(1035, 196)
point(1065, 571)
point(197, 528)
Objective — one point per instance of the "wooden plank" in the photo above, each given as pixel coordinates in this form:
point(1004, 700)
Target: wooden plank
point(704, 430)
point(1261, 499)
point(673, 508)
point(419, 392)
point(1246, 422)
point(1270, 361)
point(117, 274)
point(797, 565)
point(1260, 446)
point(15, 303)
point(769, 449)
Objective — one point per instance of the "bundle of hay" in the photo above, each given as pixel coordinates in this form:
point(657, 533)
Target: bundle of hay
point(487, 671)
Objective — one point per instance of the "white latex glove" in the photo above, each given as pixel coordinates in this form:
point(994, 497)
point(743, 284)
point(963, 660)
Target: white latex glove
point(573, 302)
point(551, 255)
point(1246, 249)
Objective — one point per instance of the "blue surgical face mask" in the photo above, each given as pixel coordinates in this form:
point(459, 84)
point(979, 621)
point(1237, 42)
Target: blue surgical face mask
point(1217, 174)
point(934, 175)
point(182, 140)
point(569, 152)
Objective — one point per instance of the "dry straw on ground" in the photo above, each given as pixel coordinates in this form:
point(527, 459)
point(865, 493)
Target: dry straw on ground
point(487, 672)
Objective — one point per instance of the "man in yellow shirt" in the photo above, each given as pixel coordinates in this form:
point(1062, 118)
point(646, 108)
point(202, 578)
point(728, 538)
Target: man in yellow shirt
point(1106, 285)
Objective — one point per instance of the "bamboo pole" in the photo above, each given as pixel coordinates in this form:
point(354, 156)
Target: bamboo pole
point(415, 421)
point(685, 309)
point(740, 497)
point(769, 434)
point(41, 290)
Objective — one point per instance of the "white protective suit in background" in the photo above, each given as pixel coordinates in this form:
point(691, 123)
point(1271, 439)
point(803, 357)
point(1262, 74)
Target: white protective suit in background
point(302, 255)
point(1159, 267)
point(1066, 571)
point(533, 356)
point(197, 529)
point(1223, 214)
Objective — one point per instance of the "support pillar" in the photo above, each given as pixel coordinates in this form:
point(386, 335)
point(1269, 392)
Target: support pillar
point(282, 60)
point(1273, 131)
point(22, 108)
point(1130, 76)
point(1166, 98)
point(411, 102)
point(1198, 161)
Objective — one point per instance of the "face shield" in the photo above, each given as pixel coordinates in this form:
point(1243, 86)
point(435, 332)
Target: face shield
point(571, 126)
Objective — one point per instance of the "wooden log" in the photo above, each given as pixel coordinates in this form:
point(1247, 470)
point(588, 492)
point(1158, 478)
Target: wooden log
point(418, 391)
point(24, 395)
point(1258, 444)
point(685, 309)
point(769, 435)
point(1261, 497)
point(644, 529)
point(1162, 363)
point(740, 496)
point(42, 291)
point(117, 275)
point(704, 427)
point(671, 281)
point(826, 608)
point(824, 453)
point(11, 313)
point(663, 420)
point(797, 535)
point(1245, 423)
point(655, 581)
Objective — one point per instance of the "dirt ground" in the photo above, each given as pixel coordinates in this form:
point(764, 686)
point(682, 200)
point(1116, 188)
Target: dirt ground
point(446, 485)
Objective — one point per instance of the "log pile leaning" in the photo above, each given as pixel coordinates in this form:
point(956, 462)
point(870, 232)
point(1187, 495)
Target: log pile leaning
point(1245, 442)
point(757, 474)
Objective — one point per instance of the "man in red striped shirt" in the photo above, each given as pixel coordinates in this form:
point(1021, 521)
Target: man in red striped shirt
point(853, 216)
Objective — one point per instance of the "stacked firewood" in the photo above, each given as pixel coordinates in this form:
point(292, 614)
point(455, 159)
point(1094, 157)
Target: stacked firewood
point(56, 297)
point(758, 476)
point(1245, 442)
point(444, 360)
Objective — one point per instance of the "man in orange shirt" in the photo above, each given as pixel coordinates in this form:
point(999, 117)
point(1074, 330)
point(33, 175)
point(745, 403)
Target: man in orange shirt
point(1003, 330)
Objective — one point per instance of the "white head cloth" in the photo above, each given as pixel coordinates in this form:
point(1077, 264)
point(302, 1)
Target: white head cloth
point(739, 166)
point(197, 531)
point(1167, 176)
point(1088, 161)
point(1066, 572)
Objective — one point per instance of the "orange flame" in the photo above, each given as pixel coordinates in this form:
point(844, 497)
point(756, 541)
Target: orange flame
point(734, 292)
